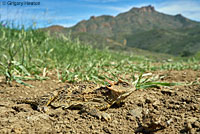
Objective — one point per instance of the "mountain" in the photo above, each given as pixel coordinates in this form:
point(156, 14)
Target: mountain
point(143, 28)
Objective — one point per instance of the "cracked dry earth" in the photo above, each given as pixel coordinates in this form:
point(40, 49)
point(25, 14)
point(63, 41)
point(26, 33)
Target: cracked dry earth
point(164, 110)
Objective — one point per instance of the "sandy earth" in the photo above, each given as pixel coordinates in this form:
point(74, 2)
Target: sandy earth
point(165, 110)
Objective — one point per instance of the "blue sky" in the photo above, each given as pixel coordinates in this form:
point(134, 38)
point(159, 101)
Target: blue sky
point(69, 12)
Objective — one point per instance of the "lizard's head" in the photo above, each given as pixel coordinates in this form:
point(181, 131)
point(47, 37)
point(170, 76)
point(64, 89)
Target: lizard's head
point(120, 89)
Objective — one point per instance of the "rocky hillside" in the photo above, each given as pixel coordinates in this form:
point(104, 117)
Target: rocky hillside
point(143, 28)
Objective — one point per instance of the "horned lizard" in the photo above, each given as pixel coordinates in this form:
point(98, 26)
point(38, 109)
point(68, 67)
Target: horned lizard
point(88, 98)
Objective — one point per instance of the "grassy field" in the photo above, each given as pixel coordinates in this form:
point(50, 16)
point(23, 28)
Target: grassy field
point(30, 54)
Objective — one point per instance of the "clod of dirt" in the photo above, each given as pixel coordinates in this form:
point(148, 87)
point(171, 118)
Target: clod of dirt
point(168, 92)
point(16, 129)
point(22, 108)
point(38, 117)
point(137, 112)
point(192, 125)
point(151, 122)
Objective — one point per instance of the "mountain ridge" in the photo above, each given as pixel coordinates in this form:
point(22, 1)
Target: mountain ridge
point(143, 28)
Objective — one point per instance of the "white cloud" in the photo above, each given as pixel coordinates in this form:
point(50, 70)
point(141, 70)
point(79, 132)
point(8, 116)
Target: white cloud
point(124, 8)
point(179, 6)
point(189, 8)
point(118, 9)
point(22, 14)
point(66, 24)
point(57, 18)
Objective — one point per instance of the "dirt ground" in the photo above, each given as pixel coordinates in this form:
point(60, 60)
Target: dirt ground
point(164, 110)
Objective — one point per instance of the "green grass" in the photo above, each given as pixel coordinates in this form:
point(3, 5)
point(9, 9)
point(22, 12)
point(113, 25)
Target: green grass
point(26, 54)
